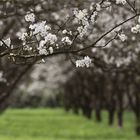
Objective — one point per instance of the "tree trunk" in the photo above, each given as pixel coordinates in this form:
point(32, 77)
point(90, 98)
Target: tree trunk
point(137, 112)
point(111, 111)
point(120, 110)
point(98, 111)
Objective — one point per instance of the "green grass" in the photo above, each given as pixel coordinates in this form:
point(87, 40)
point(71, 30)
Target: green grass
point(48, 124)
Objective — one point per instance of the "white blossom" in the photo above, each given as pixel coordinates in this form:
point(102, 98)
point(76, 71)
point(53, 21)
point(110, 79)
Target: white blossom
point(93, 16)
point(42, 43)
point(64, 31)
point(40, 28)
point(83, 62)
point(51, 50)
point(81, 16)
point(98, 7)
point(122, 37)
point(30, 17)
point(82, 30)
point(22, 36)
point(135, 29)
point(51, 38)
point(121, 2)
point(43, 51)
point(66, 40)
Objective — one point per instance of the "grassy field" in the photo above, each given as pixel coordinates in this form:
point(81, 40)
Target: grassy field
point(47, 124)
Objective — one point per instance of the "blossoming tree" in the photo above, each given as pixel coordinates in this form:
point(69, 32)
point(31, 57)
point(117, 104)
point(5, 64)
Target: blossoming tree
point(103, 33)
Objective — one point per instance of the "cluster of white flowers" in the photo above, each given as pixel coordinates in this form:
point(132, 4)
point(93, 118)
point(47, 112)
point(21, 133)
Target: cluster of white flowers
point(64, 31)
point(84, 62)
point(93, 16)
point(136, 29)
point(23, 36)
point(40, 28)
point(66, 40)
point(84, 19)
point(42, 51)
point(83, 30)
point(49, 38)
point(80, 14)
point(6, 42)
point(67, 32)
point(121, 2)
point(98, 7)
point(122, 37)
point(42, 43)
point(41, 31)
point(30, 17)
